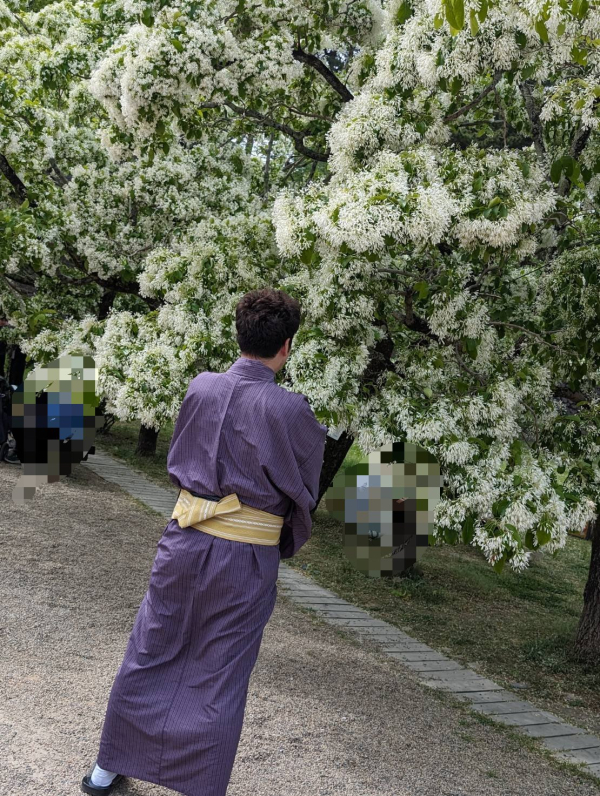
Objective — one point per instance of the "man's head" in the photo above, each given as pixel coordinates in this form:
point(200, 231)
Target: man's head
point(266, 321)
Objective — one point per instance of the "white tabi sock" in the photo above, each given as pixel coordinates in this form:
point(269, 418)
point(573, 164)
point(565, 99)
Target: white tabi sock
point(102, 778)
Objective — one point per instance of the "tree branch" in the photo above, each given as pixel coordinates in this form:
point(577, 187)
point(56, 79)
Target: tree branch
point(465, 367)
point(61, 179)
point(311, 60)
point(535, 335)
point(535, 423)
point(534, 118)
point(308, 115)
point(578, 143)
point(19, 189)
point(466, 108)
point(268, 165)
point(297, 136)
point(399, 272)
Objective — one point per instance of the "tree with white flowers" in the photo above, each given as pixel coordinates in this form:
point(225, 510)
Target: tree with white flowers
point(424, 176)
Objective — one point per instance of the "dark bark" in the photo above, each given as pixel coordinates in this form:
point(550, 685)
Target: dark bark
point(16, 371)
point(335, 453)
point(533, 112)
point(147, 438)
point(3, 348)
point(587, 643)
point(315, 63)
point(19, 190)
point(297, 136)
point(106, 302)
point(466, 108)
point(109, 420)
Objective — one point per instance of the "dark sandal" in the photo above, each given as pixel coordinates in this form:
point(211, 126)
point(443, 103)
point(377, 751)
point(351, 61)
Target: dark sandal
point(97, 790)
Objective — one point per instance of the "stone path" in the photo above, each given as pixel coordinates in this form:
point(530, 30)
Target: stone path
point(435, 670)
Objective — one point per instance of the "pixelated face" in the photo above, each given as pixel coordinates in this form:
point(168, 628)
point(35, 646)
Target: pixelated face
point(386, 503)
point(54, 420)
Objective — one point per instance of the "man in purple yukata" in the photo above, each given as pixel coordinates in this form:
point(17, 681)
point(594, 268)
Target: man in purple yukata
point(246, 455)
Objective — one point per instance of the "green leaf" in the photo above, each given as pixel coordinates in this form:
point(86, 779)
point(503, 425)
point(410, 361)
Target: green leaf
point(160, 127)
point(307, 255)
point(404, 12)
point(499, 565)
point(455, 14)
point(177, 44)
point(438, 21)
point(530, 540)
point(525, 168)
point(542, 30)
point(147, 17)
point(543, 536)
point(450, 536)
point(468, 530)
point(473, 23)
point(483, 10)
point(556, 170)
point(428, 392)
point(423, 289)
point(516, 451)
point(500, 507)
point(521, 39)
point(528, 71)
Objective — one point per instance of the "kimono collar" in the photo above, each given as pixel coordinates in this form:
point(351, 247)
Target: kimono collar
point(252, 369)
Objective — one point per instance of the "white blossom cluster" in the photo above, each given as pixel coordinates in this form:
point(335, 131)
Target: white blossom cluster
point(446, 255)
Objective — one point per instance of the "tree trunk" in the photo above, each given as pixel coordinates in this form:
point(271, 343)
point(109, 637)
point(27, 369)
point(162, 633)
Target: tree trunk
point(146, 445)
point(16, 372)
point(335, 453)
point(109, 420)
point(106, 302)
point(2, 357)
point(587, 643)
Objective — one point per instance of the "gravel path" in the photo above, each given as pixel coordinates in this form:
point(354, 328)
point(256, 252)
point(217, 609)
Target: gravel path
point(326, 715)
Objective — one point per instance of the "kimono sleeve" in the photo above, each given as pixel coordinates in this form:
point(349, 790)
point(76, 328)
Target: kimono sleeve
point(310, 436)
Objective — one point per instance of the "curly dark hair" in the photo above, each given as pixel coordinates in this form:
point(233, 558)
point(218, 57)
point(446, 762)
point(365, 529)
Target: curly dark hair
point(264, 320)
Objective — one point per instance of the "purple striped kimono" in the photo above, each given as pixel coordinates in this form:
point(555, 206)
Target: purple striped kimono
point(176, 708)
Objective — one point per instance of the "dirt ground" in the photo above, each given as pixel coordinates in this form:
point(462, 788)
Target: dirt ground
point(325, 715)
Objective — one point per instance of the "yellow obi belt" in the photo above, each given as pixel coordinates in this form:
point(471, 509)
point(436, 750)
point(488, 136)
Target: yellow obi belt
point(227, 518)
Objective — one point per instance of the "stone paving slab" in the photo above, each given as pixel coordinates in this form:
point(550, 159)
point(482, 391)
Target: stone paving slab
point(489, 708)
point(402, 648)
point(351, 623)
point(323, 602)
point(460, 675)
point(425, 655)
point(383, 632)
point(431, 667)
point(527, 718)
point(548, 730)
point(572, 742)
point(594, 769)
point(479, 684)
point(479, 697)
point(582, 755)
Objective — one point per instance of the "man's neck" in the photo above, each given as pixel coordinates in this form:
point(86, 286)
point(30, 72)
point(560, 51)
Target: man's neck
point(268, 362)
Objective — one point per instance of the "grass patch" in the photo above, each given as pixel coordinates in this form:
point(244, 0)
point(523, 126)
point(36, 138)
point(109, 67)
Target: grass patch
point(121, 442)
point(512, 628)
